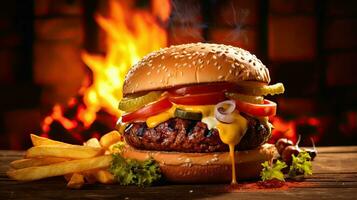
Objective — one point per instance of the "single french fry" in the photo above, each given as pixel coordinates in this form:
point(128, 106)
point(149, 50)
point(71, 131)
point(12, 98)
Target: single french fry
point(73, 151)
point(33, 162)
point(109, 139)
point(103, 176)
point(38, 141)
point(76, 181)
point(93, 142)
point(59, 169)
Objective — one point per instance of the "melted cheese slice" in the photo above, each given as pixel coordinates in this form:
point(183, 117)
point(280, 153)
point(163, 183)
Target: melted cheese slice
point(230, 134)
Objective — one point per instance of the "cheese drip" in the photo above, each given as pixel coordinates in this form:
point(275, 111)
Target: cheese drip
point(230, 134)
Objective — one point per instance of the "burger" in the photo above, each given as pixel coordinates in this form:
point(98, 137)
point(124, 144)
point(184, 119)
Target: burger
point(199, 110)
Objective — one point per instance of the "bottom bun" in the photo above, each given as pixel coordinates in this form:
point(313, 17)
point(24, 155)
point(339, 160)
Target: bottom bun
point(206, 167)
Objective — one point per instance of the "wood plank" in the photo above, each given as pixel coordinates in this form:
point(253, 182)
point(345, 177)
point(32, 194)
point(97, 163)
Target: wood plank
point(337, 149)
point(41, 190)
point(335, 163)
point(335, 177)
point(11, 153)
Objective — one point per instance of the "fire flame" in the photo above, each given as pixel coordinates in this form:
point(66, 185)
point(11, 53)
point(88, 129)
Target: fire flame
point(131, 34)
point(307, 127)
point(127, 44)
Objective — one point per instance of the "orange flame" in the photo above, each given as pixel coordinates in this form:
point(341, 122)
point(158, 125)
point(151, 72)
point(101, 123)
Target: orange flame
point(57, 114)
point(289, 128)
point(131, 34)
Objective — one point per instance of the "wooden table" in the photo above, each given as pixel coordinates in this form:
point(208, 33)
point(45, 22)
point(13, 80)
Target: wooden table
point(335, 177)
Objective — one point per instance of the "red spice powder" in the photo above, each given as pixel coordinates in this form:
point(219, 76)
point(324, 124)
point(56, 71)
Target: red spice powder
point(269, 186)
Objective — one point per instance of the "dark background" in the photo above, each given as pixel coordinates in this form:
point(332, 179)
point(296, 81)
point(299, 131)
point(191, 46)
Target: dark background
point(309, 45)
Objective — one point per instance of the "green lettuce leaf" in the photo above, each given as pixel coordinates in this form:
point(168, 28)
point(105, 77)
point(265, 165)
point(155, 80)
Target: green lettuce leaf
point(134, 172)
point(301, 164)
point(273, 171)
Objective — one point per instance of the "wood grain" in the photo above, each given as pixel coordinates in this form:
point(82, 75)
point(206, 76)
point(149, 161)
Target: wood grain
point(335, 177)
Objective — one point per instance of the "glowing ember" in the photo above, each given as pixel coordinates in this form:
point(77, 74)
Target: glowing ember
point(307, 127)
point(131, 34)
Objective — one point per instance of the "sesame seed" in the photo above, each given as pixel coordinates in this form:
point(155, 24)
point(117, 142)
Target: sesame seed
point(220, 77)
point(207, 61)
point(184, 64)
point(176, 56)
point(233, 66)
point(237, 73)
point(162, 57)
point(201, 66)
point(214, 57)
point(194, 62)
point(148, 73)
point(219, 67)
point(215, 64)
point(230, 71)
point(189, 57)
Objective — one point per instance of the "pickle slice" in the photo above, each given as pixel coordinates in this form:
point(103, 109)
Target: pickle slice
point(260, 90)
point(187, 115)
point(244, 97)
point(131, 104)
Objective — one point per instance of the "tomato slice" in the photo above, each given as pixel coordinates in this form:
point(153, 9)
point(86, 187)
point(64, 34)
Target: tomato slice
point(148, 110)
point(199, 89)
point(268, 108)
point(198, 99)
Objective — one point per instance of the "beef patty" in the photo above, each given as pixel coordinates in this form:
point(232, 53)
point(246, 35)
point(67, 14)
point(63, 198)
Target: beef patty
point(183, 135)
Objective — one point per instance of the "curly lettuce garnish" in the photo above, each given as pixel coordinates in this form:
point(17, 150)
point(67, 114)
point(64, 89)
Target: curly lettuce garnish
point(118, 148)
point(133, 172)
point(301, 164)
point(273, 171)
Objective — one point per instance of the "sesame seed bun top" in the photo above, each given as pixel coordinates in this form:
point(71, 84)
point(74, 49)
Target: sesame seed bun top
point(194, 64)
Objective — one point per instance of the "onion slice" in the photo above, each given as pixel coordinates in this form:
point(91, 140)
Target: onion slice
point(223, 111)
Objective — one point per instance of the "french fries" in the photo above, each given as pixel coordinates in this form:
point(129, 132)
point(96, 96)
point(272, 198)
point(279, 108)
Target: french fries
point(38, 141)
point(79, 164)
point(76, 181)
point(93, 142)
point(105, 177)
point(109, 139)
point(73, 151)
point(60, 169)
point(33, 162)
